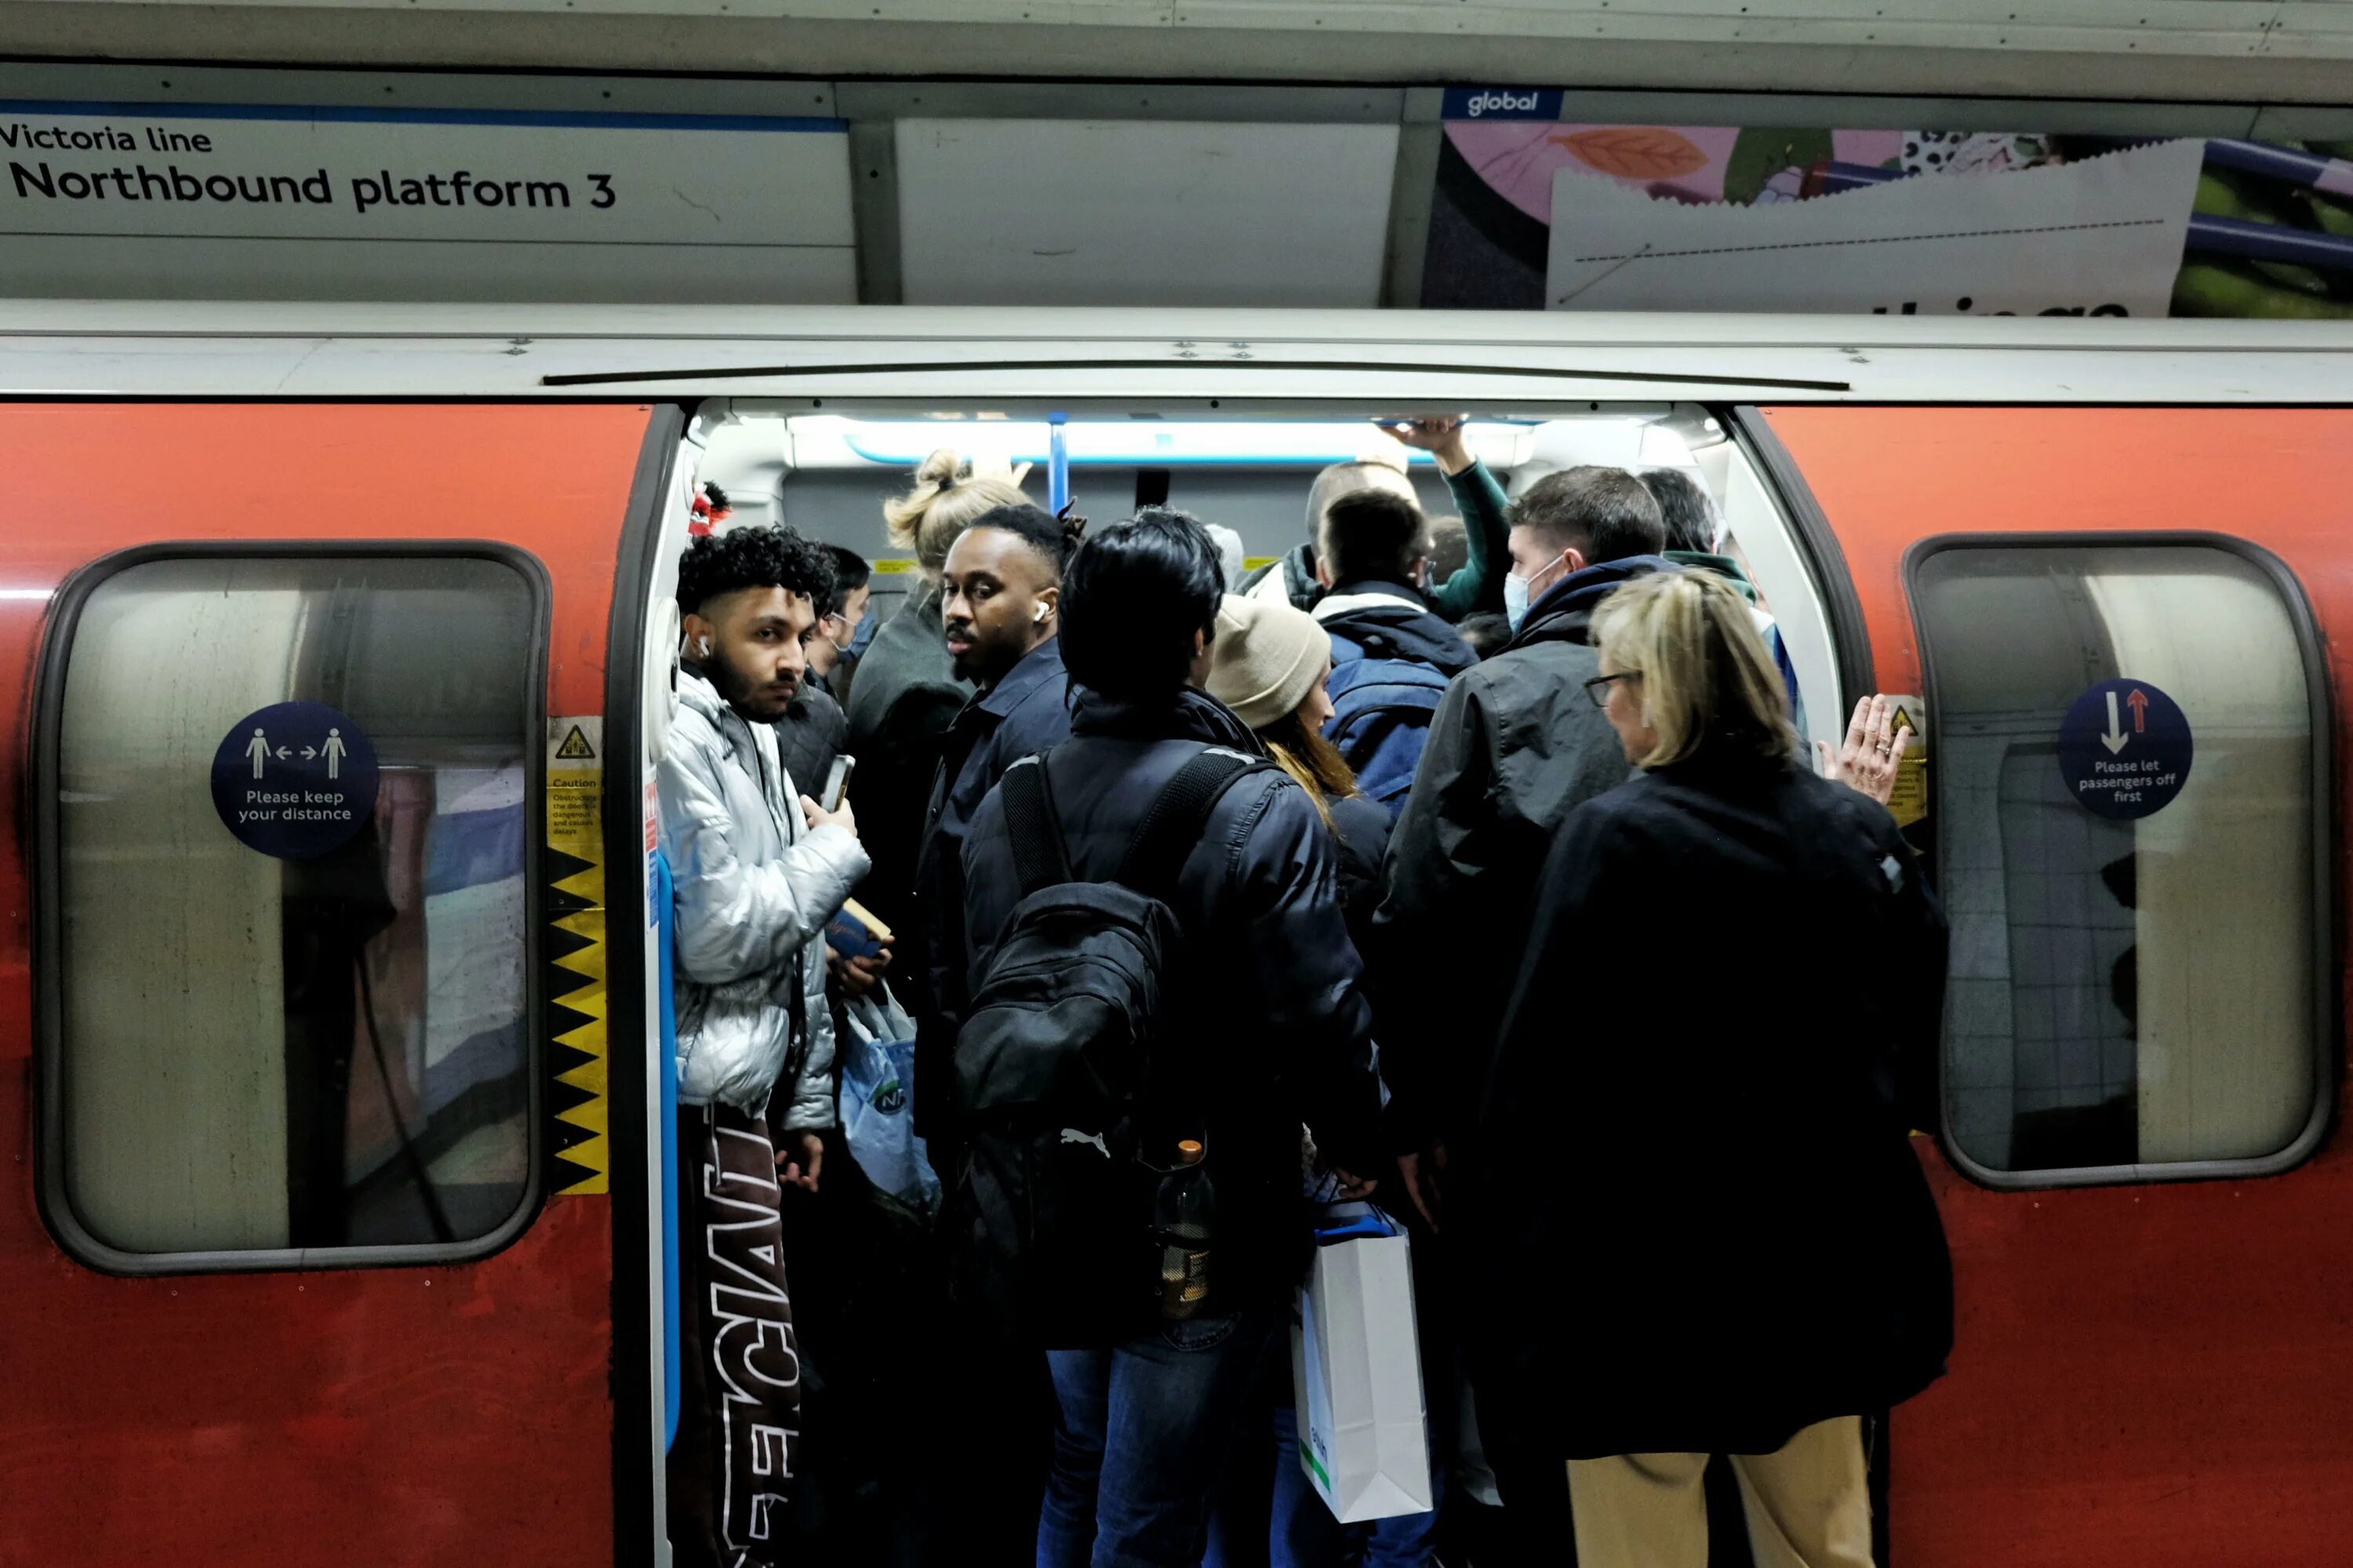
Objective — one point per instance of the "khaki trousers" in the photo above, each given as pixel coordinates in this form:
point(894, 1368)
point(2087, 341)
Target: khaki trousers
point(1809, 1505)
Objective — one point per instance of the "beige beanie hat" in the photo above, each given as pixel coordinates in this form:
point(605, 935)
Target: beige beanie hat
point(1266, 658)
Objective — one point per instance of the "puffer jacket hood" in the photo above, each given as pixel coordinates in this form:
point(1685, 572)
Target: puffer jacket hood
point(1565, 613)
point(755, 889)
point(1391, 623)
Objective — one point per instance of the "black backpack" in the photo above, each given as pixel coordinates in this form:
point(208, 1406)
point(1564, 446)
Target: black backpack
point(1055, 1066)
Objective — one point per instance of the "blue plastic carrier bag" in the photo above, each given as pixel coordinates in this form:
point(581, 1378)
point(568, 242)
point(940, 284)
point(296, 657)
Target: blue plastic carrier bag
point(878, 1100)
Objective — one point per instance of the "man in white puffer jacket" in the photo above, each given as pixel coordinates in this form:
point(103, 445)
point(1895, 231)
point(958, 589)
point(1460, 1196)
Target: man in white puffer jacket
point(759, 869)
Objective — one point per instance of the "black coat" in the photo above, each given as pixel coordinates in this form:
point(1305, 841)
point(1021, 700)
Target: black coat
point(810, 737)
point(1360, 832)
point(1023, 714)
point(1515, 745)
point(900, 703)
point(1690, 1218)
point(1270, 1001)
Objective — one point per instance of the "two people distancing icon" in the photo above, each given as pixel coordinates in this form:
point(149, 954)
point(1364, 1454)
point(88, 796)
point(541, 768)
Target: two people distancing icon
point(331, 748)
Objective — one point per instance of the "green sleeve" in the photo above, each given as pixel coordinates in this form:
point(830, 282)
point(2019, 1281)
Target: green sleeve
point(1479, 585)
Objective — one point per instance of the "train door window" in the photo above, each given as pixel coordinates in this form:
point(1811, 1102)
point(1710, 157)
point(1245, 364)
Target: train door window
point(2137, 993)
point(267, 1055)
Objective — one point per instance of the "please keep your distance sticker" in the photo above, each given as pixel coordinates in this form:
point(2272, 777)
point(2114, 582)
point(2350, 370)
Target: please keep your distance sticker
point(2124, 749)
point(294, 780)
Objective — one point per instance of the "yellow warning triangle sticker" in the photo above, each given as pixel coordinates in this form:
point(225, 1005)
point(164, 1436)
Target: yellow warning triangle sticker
point(1903, 721)
point(576, 748)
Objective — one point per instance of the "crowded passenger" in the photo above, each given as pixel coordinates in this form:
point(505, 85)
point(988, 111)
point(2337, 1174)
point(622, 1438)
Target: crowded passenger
point(1391, 656)
point(1475, 585)
point(1152, 911)
point(1641, 1298)
point(758, 870)
point(853, 589)
point(1000, 594)
point(1265, 1027)
point(1511, 750)
point(1695, 538)
point(811, 733)
point(1449, 546)
point(1487, 633)
point(907, 692)
point(1272, 664)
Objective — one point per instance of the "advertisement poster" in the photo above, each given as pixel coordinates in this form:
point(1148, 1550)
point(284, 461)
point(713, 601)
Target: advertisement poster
point(1533, 211)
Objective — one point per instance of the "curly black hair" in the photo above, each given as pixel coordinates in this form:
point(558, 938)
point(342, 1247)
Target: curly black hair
point(773, 556)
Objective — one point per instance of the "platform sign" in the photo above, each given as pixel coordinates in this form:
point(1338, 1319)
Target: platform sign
point(294, 780)
point(261, 201)
point(2124, 749)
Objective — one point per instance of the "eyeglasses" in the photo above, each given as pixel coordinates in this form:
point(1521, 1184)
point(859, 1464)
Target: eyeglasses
point(1598, 688)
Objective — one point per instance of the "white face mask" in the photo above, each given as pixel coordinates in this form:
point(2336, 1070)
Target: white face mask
point(1515, 591)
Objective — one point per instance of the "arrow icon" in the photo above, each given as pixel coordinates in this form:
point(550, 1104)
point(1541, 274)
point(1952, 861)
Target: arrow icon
point(309, 751)
point(2138, 703)
point(2115, 738)
point(283, 754)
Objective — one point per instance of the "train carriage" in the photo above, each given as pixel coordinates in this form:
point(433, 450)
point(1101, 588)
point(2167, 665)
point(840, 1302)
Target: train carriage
point(332, 1089)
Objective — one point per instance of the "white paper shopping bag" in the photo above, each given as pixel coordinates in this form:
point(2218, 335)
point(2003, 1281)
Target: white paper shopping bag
point(1357, 1370)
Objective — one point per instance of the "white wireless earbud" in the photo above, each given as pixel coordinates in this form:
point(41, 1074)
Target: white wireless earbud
point(703, 648)
point(1038, 613)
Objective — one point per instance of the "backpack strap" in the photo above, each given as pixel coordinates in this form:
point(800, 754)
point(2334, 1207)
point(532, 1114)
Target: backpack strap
point(1040, 857)
point(1179, 814)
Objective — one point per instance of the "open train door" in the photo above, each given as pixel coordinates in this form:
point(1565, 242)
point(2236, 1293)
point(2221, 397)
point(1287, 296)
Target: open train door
point(312, 1251)
point(2117, 619)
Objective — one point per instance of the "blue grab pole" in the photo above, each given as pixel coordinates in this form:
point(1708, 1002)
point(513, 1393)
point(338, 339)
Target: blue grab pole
point(1057, 462)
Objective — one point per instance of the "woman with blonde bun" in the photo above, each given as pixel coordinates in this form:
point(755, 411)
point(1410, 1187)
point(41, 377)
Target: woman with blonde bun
point(1691, 1220)
point(906, 692)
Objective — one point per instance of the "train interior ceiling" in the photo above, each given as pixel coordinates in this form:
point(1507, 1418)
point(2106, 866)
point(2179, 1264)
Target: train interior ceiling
point(828, 473)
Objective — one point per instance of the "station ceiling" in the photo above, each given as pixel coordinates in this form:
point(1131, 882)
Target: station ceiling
point(2286, 52)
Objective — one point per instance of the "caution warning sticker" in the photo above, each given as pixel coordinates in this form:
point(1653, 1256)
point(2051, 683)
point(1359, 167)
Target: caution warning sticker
point(575, 977)
point(1909, 802)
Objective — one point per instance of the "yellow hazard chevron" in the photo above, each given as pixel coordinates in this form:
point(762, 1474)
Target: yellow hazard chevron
point(575, 815)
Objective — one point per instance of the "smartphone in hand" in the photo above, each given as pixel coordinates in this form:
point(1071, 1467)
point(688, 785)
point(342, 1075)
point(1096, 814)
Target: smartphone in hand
point(837, 783)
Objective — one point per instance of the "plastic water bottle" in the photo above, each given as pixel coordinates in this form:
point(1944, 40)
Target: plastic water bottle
point(1184, 1214)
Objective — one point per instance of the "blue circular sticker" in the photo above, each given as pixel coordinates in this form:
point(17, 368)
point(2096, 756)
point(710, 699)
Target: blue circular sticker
point(294, 780)
point(2124, 749)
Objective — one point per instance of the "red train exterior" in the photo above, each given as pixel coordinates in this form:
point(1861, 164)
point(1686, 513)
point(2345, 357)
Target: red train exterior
point(412, 1415)
point(2156, 1376)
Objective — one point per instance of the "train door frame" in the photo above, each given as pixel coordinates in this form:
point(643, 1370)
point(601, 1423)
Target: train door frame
point(1816, 541)
point(640, 1327)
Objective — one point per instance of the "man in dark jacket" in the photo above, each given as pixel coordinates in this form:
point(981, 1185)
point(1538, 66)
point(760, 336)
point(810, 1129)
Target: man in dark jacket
point(1476, 586)
point(1275, 1029)
point(810, 735)
point(1516, 745)
point(1001, 588)
point(1391, 657)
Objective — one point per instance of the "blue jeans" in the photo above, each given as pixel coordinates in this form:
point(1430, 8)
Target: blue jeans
point(1305, 1535)
point(1140, 1436)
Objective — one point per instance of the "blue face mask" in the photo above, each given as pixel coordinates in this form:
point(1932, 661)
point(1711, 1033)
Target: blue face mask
point(1516, 592)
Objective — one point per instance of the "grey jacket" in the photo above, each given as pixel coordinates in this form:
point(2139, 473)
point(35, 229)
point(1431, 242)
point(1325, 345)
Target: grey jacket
point(1515, 745)
point(755, 889)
